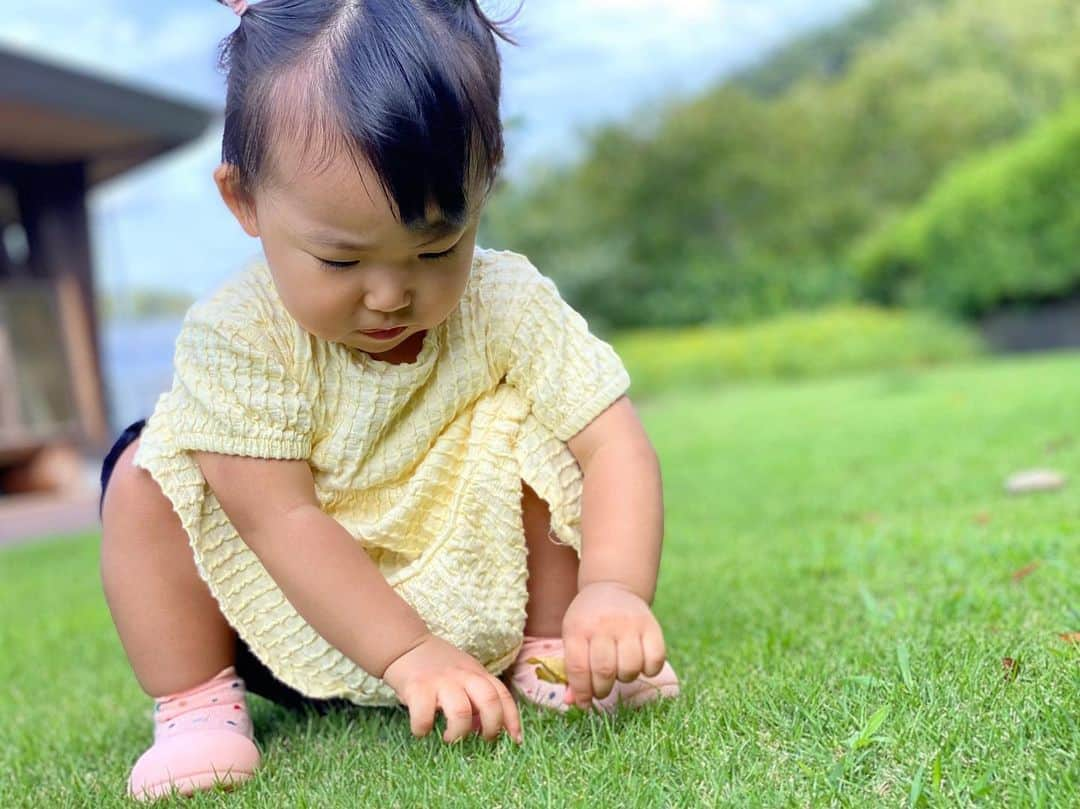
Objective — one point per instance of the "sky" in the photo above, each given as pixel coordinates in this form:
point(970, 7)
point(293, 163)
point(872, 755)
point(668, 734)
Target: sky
point(578, 63)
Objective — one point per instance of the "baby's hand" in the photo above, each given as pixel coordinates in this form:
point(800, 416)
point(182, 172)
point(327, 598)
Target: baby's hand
point(609, 632)
point(437, 675)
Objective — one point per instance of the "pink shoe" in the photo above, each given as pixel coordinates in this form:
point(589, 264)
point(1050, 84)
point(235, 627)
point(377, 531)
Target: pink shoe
point(539, 676)
point(202, 737)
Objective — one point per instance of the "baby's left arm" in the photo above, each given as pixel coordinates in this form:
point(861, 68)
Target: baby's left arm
point(622, 512)
point(546, 351)
point(609, 631)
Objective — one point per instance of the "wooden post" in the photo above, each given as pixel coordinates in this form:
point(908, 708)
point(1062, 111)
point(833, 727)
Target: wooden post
point(9, 402)
point(52, 200)
point(5, 262)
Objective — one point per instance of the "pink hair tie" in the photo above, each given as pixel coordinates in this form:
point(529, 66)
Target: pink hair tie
point(239, 6)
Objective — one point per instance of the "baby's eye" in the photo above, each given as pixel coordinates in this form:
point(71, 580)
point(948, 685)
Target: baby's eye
point(343, 265)
point(437, 256)
point(337, 265)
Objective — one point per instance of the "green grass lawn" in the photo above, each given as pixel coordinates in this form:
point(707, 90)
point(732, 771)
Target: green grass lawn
point(842, 581)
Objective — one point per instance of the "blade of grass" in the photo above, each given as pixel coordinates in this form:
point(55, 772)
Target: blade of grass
point(905, 666)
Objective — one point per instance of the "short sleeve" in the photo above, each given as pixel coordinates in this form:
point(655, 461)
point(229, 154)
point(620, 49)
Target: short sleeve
point(569, 375)
point(233, 393)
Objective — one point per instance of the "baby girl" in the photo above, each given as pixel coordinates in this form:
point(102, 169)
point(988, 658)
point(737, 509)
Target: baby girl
point(394, 467)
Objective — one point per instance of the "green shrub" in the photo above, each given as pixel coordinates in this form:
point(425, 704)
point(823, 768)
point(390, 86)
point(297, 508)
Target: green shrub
point(1001, 228)
point(745, 200)
point(837, 340)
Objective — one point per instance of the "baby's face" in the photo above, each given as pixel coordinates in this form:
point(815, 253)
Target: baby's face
point(387, 277)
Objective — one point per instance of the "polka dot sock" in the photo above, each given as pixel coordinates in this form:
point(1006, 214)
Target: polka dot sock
point(202, 736)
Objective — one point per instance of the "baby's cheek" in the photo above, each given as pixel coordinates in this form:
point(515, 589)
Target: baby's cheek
point(325, 316)
point(451, 287)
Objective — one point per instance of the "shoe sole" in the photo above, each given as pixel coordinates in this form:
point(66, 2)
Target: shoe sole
point(190, 784)
point(651, 695)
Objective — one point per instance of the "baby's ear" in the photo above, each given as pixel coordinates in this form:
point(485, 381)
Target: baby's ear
point(243, 208)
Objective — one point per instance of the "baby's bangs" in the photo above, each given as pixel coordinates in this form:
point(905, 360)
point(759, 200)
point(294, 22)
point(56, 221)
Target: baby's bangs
point(394, 89)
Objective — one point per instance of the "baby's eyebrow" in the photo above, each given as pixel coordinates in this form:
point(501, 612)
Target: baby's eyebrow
point(437, 230)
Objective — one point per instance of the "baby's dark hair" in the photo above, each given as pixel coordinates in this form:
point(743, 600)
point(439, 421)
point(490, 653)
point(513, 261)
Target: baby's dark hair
point(410, 86)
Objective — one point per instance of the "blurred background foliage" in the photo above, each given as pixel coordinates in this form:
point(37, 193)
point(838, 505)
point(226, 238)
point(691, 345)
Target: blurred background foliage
point(1000, 229)
point(921, 153)
point(842, 339)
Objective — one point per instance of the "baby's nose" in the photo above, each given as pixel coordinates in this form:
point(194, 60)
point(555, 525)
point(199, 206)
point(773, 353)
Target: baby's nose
point(387, 299)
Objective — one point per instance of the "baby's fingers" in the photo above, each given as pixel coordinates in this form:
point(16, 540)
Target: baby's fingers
point(421, 711)
point(511, 719)
point(630, 659)
point(578, 673)
point(603, 662)
point(652, 644)
point(511, 715)
point(489, 705)
point(458, 712)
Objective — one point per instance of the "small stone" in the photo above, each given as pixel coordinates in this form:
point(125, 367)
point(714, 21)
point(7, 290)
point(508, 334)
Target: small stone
point(1034, 480)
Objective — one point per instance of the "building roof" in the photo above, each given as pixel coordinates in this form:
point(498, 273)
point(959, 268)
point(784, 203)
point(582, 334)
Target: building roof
point(54, 114)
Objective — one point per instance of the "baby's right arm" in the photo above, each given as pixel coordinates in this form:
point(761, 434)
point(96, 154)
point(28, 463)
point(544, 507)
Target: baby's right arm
point(339, 591)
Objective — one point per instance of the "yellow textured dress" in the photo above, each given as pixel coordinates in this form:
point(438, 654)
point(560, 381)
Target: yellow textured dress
point(422, 463)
